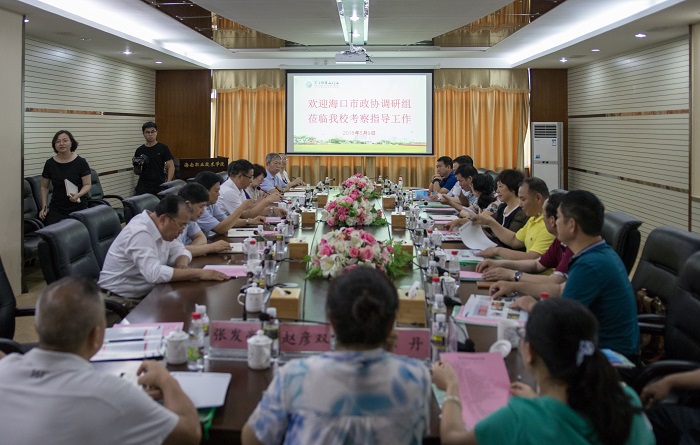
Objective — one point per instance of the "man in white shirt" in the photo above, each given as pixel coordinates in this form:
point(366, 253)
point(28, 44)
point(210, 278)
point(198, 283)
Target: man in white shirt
point(146, 253)
point(282, 175)
point(197, 197)
point(53, 395)
point(273, 165)
point(232, 192)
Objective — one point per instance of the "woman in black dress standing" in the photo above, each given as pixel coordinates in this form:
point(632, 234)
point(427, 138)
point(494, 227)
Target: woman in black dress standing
point(65, 165)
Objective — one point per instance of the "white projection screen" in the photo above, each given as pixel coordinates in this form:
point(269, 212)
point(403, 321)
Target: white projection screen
point(368, 113)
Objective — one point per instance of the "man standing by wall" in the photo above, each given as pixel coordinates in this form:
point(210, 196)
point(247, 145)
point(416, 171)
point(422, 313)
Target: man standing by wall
point(152, 161)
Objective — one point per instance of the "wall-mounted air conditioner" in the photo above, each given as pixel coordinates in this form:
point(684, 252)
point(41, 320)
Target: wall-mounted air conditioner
point(546, 146)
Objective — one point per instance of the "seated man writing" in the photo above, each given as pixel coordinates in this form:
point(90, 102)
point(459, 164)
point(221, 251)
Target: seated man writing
point(597, 278)
point(557, 257)
point(196, 197)
point(53, 395)
point(146, 252)
point(273, 165)
point(213, 220)
point(233, 192)
point(534, 236)
point(464, 175)
point(444, 179)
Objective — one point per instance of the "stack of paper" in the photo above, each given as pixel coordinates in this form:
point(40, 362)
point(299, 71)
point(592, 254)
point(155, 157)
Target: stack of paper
point(131, 343)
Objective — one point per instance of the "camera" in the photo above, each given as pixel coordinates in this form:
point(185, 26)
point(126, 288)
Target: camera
point(139, 162)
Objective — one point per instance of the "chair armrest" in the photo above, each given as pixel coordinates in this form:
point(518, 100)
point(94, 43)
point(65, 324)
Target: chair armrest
point(117, 197)
point(32, 225)
point(652, 318)
point(9, 346)
point(661, 369)
point(27, 311)
point(117, 308)
point(651, 329)
point(98, 202)
point(652, 324)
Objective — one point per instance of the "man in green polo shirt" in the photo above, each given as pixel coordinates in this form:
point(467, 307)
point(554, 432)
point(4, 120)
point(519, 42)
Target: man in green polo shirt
point(533, 236)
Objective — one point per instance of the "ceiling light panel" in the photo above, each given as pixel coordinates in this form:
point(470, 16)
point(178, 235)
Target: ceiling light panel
point(354, 20)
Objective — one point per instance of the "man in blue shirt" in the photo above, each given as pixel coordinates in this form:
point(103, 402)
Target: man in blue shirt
point(445, 179)
point(597, 278)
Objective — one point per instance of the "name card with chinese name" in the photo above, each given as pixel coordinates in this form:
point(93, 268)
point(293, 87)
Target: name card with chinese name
point(303, 337)
point(413, 342)
point(225, 334)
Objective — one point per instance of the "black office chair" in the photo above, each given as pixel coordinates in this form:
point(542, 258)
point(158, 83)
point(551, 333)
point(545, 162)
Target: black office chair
point(97, 195)
point(65, 250)
point(103, 225)
point(621, 232)
point(8, 308)
point(173, 183)
point(35, 184)
point(137, 204)
point(682, 330)
point(32, 223)
point(223, 175)
point(169, 191)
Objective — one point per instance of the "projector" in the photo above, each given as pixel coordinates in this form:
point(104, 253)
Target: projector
point(352, 57)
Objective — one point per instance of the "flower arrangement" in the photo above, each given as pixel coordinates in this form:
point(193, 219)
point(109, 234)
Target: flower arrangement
point(362, 184)
point(352, 210)
point(347, 248)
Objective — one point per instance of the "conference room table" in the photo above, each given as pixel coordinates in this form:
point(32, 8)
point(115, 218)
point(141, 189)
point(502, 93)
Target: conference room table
point(175, 302)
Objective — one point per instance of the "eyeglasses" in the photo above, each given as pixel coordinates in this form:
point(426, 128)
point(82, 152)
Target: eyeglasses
point(246, 176)
point(150, 132)
point(179, 225)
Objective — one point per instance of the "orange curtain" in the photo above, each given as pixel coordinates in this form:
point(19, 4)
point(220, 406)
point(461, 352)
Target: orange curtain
point(487, 123)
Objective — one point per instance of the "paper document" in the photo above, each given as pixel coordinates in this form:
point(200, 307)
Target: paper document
point(473, 236)
point(484, 385)
point(468, 275)
point(205, 389)
point(71, 189)
point(245, 233)
point(130, 350)
point(468, 256)
point(230, 270)
point(235, 248)
point(132, 333)
point(487, 311)
point(441, 219)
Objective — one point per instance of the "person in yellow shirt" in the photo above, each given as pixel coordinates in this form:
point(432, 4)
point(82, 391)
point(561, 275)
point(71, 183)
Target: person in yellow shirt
point(533, 236)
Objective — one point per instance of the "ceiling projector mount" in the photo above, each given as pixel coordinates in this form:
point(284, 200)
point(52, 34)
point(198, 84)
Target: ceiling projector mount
point(356, 54)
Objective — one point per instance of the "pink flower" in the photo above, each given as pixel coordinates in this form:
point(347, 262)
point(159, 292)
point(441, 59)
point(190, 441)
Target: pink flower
point(368, 238)
point(354, 252)
point(330, 221)
point(348, 199)
point(349, 267)
point(342, 216)
point(390, 249)
point(367, 253)
point(325, 250)
point(331, 205)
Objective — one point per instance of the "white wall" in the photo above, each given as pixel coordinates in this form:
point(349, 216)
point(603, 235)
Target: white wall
point(629, 133)
point(11, 129)
point(101, 101)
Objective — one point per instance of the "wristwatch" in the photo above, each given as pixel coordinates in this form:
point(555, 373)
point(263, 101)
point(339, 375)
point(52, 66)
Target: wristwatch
point(517, 275)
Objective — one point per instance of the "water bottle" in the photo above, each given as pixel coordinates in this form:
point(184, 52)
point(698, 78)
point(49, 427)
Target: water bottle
point(253, 256)
point(246, 246)
point(379, 180)
point(399, 202)
point(327, 184)
point(453, 267)
point(423, 259)
point(195, 345)
point(400, 183)
point(438, 337)
point(308, 194)
point(436, 286)
point(270, 266)
point(438, 307)
point(202, 309)
point(279, 247)
point(271, 327)
point(430, 273)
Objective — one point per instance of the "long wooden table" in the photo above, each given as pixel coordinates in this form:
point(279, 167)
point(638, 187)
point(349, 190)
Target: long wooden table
point(176, 301)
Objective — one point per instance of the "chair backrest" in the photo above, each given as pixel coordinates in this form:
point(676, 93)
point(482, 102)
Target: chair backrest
point(103, 226)
point(65, 250)
point(223, 175)
point(169, 191)
point(29, 206)
point(173, 183)
point(137, 204)
point(7, 306)
point(665, 253)
point(621, 231)
point(96, 190)
point(682, 339)
point(35, 184)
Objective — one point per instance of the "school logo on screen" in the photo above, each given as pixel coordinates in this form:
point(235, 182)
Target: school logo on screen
point(309, 84)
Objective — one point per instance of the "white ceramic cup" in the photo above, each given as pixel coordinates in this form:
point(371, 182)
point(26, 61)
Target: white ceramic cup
point(254, 299)
point(259, 351)
point(176, 347)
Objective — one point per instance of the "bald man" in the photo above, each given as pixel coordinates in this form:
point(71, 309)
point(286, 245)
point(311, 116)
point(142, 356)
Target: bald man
point(53, 395)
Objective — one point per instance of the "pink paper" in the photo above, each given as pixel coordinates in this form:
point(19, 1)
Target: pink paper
point(232, 334)
point(300, 337)
point(231, 271)
point(273, 219)
point(413, 343)
point(467, 275)
point(484, 385)
point(168, 327)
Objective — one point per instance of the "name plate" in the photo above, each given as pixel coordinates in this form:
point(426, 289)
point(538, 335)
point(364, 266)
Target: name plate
point(414, 343)
point(302, 337)
point(225, 334)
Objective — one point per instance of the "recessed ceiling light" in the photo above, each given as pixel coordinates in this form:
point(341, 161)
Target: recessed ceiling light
point(127, 52)
point(26, 20)
point(596, 50)
point(159, 62)
point(85, 39)
point(563, 59)
point(640, 35)
point(354, 18)
point(356, 34)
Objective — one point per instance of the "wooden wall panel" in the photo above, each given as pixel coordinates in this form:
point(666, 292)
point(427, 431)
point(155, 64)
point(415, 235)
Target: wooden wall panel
point(549, 103)
point(183, 112)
